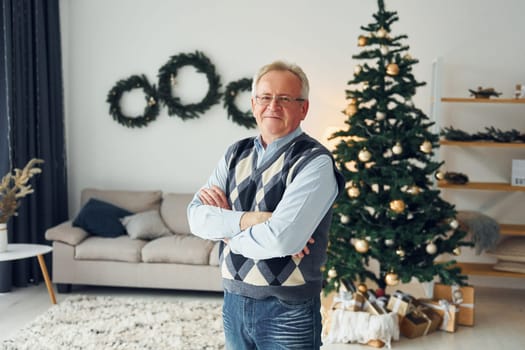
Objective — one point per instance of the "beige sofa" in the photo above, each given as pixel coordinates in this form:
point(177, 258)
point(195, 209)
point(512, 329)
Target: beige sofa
point(178, 260)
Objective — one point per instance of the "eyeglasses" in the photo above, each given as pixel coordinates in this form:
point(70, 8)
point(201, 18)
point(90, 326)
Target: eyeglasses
point(281, 100)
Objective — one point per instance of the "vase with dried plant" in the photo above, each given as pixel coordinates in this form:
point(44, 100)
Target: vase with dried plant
point(13, 187)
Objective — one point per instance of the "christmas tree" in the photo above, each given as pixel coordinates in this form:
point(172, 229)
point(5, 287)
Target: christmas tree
point(391, 211)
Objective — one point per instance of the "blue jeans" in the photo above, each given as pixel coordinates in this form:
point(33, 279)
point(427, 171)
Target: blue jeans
point(271, 324)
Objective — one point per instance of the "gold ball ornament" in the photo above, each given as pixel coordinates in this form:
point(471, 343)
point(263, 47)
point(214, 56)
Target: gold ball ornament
point(397, 206)
point(380, 115)
point(392, 69)
point(345, 219)
point(391, 279)
point(351, 166)
point(151, 102)
point(358, 69)
point(362, 288)
point(426, 147)
point(454, 224)
point(361, 246)
point(397, 149)
point(364, 155)
point(414, 190)
point(400, 252)
point(332, 273)
point(457, 251)
point(431, 248)
point(362, 40)
point(351, 109)
point(353, 192)
point(389, 242)
point(439, 175)
point(381, 33)
point(384, 50)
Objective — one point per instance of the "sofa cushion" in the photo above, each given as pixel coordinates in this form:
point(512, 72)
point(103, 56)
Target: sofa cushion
point(65, 232)
point(214, 254)
point(182, 249)
point(146, 225)
point(101, 218)
point(120, 248)
point(174, 212)
point(134, 201)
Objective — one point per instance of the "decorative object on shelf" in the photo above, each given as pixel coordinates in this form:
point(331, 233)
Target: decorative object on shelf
point(455, 178)
point(168, 72)
point(484, 92)
point(245, 119)
point(13, 187)
point(151, 111)
point(517, 177)
point(520, 91)
point(490, 134)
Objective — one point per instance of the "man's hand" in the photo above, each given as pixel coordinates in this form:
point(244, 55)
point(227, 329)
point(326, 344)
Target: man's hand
point(215, 197)
point(306, 250)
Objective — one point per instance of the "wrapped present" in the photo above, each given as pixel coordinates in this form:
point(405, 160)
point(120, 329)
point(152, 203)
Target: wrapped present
point(375, 305)
point(362, 327)
point(420, 322)
point(401, 303)
point(447, 310)
point(348, 301)
point(463, 297)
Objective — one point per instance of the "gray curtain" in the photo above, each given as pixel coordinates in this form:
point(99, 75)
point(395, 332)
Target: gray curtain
point(32, 120)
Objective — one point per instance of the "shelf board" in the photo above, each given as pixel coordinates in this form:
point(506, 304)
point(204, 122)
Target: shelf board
point(482, 269)
point(512, 229)
point(483, 100)
point(488, 186)
point(482, 144)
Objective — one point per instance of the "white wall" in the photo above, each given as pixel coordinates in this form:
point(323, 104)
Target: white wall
point(481, 42)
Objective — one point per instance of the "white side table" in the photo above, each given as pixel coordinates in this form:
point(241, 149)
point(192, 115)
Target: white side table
point(23, 251)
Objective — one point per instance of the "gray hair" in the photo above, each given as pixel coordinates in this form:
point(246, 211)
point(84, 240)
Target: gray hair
point(283, 66)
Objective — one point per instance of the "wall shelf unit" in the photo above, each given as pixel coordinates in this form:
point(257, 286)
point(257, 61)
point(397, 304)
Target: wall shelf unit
point(475, 268)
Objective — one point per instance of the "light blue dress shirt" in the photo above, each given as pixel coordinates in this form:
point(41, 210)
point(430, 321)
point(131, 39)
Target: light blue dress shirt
point(302, 207)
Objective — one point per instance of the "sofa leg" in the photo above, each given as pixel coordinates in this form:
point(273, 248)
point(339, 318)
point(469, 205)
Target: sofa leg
point(64, 287)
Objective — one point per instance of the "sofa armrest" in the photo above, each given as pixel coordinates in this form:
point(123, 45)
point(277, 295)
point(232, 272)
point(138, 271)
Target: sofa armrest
point(67, 233)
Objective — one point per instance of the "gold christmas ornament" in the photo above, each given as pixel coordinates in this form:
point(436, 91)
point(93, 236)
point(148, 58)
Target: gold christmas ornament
point(439, 175)
point(389, 242)
point(407, 57)
point(397, 206)
point(397, 149)
point(454, 224)
point(391, 279)
point(375, 188)
point(345, 219)
point(332, 273)
point(351, 166)
point(351, 109)
point(392, 69)
point(364, 155)
point(357, 69)
point(361, 245)
point(414, 190)
point(151, 101)
point(362, 40)
point(400, 252)
point(380, 115)
point(369, 165)
point(353, 192)
point(457, 251)
point(381, 33)
point(426, 147)
point(384, 50)
point(431, 248)
point(362, 288)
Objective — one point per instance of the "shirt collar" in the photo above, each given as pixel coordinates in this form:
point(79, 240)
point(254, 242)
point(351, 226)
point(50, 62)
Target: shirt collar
point(278, 143)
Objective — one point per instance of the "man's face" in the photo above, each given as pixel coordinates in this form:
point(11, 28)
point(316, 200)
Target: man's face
point(278, 118)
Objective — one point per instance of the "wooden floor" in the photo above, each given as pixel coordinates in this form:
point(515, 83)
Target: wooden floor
point(500, 317)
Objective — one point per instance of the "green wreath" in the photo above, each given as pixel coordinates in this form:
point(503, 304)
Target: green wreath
point(167, 74)
point(151, 111)
point(245, 119)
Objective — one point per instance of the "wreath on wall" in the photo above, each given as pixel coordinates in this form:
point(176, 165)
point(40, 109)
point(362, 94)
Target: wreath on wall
point(167, 75)
point(151, 111)
point(245, 119)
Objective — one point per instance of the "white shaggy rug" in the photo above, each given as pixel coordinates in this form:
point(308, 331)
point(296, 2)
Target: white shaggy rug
point(96, 323)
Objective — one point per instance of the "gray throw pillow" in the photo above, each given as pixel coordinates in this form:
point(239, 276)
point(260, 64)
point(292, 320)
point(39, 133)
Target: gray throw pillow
point(145, 225)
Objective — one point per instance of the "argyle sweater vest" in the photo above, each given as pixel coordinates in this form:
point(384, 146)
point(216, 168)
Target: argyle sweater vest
point(252, 188)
